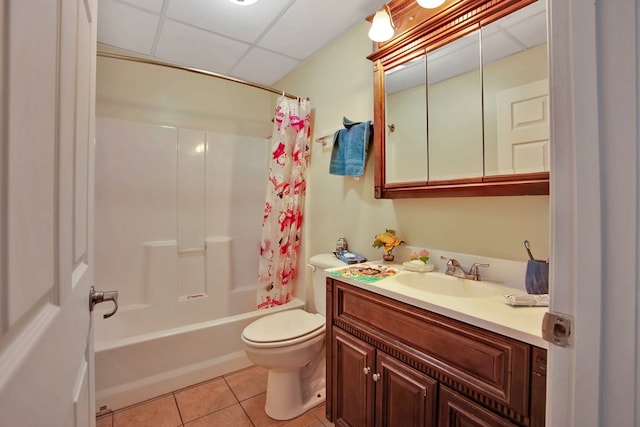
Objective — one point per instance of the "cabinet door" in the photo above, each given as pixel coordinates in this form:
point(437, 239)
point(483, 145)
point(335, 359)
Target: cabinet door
point(404, 396)
point(458, 411)
point(538, 387)
point(353, 388)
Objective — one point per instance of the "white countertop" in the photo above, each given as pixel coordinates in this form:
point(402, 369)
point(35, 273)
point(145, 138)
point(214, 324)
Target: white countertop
point(489, 310)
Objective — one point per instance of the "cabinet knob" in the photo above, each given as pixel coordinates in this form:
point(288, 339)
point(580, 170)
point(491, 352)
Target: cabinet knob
point(366, 370)
point(376, 377)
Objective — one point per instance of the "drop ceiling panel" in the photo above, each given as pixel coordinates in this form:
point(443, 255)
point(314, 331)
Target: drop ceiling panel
point(310, 24)
point(275, 35)
point(244, 23)
point(151, 5)
point(126, 27)
point(498, 45)
point(264, 67)
point(530, 32)
point(197, 48)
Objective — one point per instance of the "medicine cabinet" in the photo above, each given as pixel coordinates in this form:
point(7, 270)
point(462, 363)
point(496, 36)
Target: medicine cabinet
point(461, 100)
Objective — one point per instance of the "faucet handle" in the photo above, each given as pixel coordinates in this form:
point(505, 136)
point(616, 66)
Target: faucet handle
point(473, 271)
point(451, 262)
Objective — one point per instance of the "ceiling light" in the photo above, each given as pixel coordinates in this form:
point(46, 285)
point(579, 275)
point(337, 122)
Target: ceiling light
point(243, 2)
point(382, 27)
point(430, 4)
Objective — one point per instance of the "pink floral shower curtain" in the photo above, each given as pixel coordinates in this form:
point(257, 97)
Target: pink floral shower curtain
point(282, 224)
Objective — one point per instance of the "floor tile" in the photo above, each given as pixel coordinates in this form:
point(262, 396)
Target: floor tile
point(248, 382)
point(203, 399)
point(159, 412)
point(230, 416)
point(305, 420)
point(254, 407)
point(213, 403)
point(320, 411)
point(105, 421)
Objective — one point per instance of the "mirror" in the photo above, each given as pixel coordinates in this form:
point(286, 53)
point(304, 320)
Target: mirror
point(406, 131)
point(454, 109)
point(467, 112)
point(515, 86)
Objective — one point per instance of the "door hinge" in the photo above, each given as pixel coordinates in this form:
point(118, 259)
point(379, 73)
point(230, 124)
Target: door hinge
point(557, 328)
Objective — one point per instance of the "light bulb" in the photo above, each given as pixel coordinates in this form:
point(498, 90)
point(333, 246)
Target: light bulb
point(381, 29)
point(430, 4)
point(243, 2)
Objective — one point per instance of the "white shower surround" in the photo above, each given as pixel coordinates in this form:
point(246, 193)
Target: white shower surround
point(178, 221)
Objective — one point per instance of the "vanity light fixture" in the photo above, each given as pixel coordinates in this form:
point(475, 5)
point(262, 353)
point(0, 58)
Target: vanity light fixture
point(430, 4)
point(382, 26)
point(243, 2)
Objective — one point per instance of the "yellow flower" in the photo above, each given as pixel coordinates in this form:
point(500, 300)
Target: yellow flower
point(387, 240)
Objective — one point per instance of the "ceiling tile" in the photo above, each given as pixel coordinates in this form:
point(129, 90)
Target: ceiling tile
point(497, 45)
point(150, 5)
point(275, 35)
point(198, 48)
point(264, 67)
point(126, 27)
point(243, 23)
point(308, 25)
point(530, 32)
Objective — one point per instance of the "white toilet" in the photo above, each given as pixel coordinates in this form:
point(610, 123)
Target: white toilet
point(291, 345)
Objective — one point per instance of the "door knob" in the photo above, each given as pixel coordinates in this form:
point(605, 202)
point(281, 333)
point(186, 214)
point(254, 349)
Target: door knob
point(96, 297)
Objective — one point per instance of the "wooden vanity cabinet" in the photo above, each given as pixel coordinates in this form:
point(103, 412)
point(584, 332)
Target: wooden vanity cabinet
point(392, 364)
point(370, 384)
point(456, 410)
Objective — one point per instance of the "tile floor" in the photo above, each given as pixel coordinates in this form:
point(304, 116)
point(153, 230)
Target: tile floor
point(235, 399)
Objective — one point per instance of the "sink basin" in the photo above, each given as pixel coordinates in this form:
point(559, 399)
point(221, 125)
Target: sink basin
point(441, 284)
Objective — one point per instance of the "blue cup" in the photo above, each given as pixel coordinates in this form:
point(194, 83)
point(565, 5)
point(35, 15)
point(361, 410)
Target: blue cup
point(537, 277)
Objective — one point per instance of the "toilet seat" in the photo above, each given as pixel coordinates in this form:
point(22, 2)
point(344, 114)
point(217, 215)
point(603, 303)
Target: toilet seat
point(284, 328)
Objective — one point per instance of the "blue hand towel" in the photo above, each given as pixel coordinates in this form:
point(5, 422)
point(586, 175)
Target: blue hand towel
point(350, 146)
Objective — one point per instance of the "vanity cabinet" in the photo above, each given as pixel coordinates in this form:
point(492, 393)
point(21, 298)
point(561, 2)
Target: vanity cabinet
point(377, 386)
point(456, 410)
point(393, 364)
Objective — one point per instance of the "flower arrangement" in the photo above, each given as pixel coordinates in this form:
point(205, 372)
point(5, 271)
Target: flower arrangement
point(423, 256)
point(387, 240)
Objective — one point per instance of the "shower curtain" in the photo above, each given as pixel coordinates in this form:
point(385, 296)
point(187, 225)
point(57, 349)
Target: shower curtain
point(286, 187)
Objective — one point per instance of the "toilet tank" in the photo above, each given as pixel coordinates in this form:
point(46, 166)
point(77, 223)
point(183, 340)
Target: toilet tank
point(319, 263)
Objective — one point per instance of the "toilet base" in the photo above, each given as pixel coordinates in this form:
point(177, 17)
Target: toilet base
point(285, 398)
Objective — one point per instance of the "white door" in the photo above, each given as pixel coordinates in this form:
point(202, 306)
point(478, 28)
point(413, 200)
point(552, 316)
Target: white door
point(523, 128)
point(595, 200)
point(47, 75)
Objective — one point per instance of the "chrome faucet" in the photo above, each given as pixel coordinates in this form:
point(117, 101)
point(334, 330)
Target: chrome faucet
point(455, 269)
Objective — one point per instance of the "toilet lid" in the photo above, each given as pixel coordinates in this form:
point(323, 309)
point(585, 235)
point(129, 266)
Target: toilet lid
point(283, 326)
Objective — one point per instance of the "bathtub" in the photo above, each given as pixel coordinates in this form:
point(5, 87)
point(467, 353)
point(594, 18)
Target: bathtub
point(136, 368)
point(177, 233)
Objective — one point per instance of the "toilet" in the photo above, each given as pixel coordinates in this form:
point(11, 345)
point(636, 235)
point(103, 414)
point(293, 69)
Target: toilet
point(291, 345)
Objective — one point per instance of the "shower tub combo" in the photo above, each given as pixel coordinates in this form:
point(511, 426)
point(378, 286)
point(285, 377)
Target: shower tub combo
point(178, 216)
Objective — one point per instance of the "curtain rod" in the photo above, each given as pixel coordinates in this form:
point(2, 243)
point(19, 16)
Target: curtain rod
point(194, 70)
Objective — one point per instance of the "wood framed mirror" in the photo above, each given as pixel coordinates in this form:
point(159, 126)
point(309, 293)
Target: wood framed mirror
point(460, 100)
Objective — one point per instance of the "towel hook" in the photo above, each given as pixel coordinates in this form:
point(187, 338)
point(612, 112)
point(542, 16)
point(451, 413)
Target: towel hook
point(392, 127)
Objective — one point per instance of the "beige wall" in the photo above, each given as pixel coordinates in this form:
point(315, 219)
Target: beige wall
point(339, 81)
point(149, 93)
